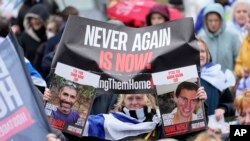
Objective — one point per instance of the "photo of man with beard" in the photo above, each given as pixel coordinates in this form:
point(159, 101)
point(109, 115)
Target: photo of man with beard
point(67, 98)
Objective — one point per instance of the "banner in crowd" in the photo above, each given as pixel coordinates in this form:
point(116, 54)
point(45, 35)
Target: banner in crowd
point(21, 107)
point(125, 59)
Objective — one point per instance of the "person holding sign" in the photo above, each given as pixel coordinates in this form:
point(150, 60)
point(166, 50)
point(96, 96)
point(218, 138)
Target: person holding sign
point(134, 117)
point(188, 98)
point(138, 106)
point(216, 83)
point(67, 95)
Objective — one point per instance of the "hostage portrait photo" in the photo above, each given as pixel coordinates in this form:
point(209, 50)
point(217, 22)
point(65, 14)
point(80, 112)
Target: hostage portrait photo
point(69, 105)
point(179, 106)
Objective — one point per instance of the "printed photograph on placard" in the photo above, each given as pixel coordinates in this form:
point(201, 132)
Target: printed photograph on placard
point(71, 99)
point(181, 110)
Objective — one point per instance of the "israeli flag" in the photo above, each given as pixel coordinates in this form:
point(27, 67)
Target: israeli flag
point(35, 75)
point(116, 126)
point(213, 74)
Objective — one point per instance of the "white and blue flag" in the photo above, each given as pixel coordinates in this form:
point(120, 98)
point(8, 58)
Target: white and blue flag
point(213, 74)
point(36, 77)
point(116, 126)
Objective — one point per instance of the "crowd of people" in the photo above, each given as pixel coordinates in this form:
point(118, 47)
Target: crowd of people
point(222, 28)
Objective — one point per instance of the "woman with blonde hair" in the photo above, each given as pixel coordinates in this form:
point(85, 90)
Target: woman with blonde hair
point(140, 106)
point(148, 99)
point(216, 83)
point(134, 117)
point(242, 106)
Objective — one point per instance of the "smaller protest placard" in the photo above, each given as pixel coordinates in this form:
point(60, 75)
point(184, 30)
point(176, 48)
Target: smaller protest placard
point(182, 112)
point(72, 91)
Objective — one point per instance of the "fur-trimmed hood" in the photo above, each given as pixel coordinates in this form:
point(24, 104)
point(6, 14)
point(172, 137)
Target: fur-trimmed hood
point(37, 11)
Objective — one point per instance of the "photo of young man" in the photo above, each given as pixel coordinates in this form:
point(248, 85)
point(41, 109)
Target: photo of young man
point(67, 95)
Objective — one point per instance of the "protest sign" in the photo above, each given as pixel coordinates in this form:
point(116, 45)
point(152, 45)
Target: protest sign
point(180, 109)
point(72, 92)
point(125, 58)
point(122, 52)
point(21, 107)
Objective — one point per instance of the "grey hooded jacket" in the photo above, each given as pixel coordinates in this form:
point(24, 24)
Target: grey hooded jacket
point(223, 45)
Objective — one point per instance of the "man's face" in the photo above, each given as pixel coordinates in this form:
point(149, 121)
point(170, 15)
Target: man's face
point(240, 14)
point(67, 98)
point(187, 102)
point(134, 101)
point(213, 22)
point(157, 18)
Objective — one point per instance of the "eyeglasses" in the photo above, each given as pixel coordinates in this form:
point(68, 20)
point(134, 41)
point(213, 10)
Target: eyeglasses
point(185, 100)
point(69, 83)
